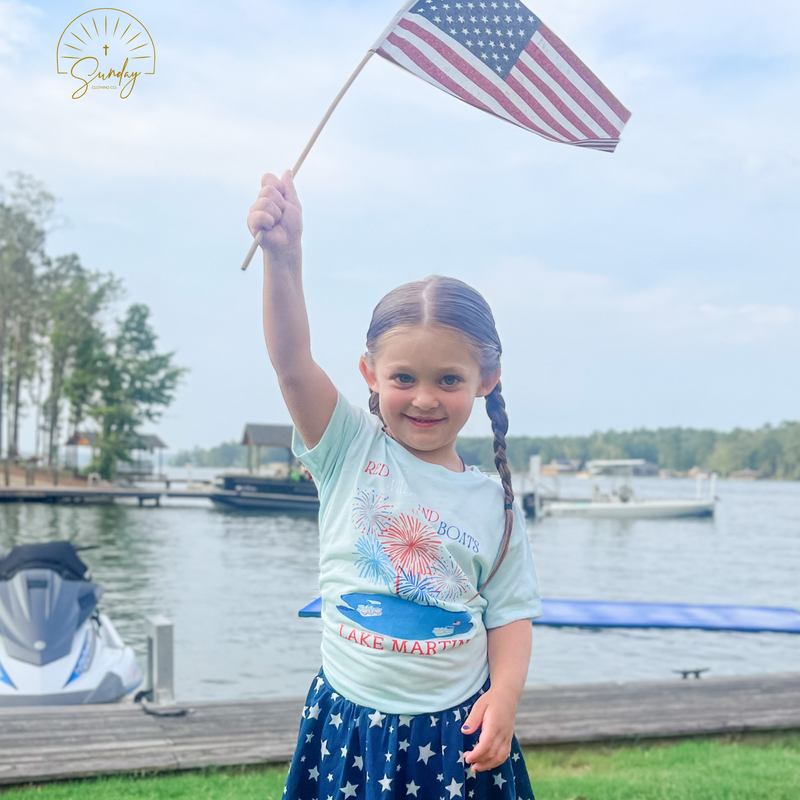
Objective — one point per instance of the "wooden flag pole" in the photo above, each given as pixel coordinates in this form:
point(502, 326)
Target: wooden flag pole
point(257, 241)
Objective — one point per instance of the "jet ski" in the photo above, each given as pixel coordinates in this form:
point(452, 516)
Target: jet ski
point(56, 648)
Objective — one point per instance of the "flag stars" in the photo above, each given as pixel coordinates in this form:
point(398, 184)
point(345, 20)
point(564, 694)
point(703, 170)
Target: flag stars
point(349, 790)
point(386, 783)
point(469, 43)
point(313, 774)
point(437, 19)
point(358, 763)
point(344, 752)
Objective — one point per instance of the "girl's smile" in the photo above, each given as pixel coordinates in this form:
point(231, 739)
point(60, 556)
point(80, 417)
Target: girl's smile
point(427, 379)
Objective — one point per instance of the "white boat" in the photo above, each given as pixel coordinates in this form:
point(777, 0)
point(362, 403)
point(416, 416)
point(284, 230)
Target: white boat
point(621, 502)
point(615, 508)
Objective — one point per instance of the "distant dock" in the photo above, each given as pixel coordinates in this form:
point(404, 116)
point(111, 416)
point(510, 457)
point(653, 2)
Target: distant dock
point(57, 743)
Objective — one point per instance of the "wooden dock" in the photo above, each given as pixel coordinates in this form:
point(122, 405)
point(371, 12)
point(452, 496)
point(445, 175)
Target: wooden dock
point(44, 744)
point(76, 494)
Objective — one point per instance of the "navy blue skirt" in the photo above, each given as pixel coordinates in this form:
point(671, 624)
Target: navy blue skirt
point(350, 751)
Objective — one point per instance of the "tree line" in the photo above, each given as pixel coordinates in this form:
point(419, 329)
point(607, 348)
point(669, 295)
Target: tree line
point(61, 362)
point(774, 452)
point(227, 455)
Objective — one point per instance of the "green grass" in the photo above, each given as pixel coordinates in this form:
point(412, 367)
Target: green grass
point(754, 767)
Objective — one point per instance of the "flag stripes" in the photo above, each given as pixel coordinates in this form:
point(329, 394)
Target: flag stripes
point(548, 90)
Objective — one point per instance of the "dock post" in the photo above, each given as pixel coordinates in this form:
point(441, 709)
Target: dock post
point(160, 660)
point(7, 472)
point(534, 472)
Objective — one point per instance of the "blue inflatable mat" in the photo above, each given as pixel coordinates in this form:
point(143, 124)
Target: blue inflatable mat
point(593, 614)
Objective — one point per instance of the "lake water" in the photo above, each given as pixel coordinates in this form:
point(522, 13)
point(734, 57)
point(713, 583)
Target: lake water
point(233, 582)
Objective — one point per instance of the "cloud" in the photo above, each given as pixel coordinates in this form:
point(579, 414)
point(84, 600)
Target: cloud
point(18, 26)
point(580, 304)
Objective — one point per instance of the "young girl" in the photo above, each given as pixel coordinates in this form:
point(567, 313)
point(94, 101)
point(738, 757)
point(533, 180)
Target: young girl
point(428, 584)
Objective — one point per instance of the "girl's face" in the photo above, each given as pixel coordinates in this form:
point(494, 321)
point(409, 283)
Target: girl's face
point(427, 379)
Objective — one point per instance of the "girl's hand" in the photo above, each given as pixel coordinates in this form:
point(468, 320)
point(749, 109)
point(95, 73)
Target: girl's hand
point(277, 215)
point(493, 713)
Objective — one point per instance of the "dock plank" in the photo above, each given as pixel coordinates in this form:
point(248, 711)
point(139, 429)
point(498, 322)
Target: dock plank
point(56, 743)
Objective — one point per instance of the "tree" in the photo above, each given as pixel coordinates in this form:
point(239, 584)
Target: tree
point(24, 211)
point(73, 298)
point(125, 384)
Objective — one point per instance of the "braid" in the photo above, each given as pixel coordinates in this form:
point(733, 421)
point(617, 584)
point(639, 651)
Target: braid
point(374, 405)
point(496, 409)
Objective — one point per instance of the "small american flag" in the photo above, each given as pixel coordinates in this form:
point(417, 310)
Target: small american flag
point(501, 58)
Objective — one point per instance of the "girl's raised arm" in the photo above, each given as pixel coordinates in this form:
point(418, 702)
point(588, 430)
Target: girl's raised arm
point(308, 391)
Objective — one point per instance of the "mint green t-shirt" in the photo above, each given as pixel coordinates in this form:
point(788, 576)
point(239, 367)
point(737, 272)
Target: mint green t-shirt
point(404, 544)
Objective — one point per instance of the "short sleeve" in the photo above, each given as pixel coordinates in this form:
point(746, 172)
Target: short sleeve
point(513, 593)
point(324, 460)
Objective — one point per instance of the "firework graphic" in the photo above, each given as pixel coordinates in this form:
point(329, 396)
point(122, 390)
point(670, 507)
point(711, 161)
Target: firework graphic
point(373, 563)
point(447, 580)
point(411, 544)
point(415, 588)
point(371, 512)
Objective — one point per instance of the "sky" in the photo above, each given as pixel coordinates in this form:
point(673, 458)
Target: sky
point(657, 286)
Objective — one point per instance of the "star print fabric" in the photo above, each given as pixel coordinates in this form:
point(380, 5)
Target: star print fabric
point(349, 751)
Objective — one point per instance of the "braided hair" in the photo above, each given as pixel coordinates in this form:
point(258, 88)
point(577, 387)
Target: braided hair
point(449, 303)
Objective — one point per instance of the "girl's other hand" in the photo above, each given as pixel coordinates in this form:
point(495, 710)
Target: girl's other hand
point(277, 215)
point(494, 714)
